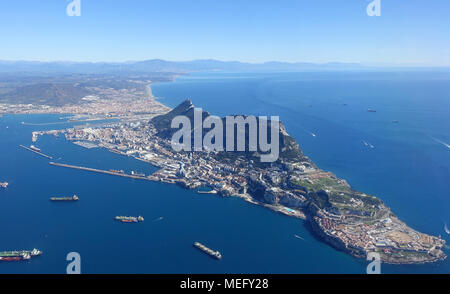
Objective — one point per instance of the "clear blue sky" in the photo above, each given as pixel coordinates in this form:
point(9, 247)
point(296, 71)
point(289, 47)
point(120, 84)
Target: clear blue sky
point(408, 31)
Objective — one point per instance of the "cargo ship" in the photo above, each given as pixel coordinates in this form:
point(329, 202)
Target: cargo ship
point(34, 148)
point(210, 252)
point(73, 198)
point(4, 185)
point(19, 255)
point(129, 219)
point(133, 173)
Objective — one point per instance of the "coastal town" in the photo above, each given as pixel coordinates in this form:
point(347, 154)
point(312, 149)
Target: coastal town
point(135, 102)
point(349, 220)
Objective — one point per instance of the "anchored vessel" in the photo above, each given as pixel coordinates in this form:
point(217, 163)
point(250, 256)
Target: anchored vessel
point(19, 255)
point(210, 252)
point(73, 198)
point(129, 219)
point(133, 173)
point(4, 185)
point(34, 148)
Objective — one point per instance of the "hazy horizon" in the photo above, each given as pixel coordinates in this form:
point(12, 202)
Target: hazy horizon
point(130, 61)
point(412, 33)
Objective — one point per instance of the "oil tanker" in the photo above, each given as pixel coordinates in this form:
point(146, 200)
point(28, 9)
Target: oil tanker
point(73, 198)
point(19, 255)
point(210, 252)
point(129, 219)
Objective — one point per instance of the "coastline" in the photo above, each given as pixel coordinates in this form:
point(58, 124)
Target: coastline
point(279, 208)
point(306, 215)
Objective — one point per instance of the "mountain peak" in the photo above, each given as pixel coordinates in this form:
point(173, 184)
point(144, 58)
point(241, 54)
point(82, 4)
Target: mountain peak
point(187, 103)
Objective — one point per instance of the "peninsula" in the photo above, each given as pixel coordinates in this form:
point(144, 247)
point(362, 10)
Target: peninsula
point(349, 220)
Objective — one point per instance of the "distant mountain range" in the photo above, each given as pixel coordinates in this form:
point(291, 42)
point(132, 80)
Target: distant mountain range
point(158, 65)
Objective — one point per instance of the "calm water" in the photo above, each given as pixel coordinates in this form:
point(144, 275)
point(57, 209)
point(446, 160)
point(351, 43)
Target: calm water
point(407, 168)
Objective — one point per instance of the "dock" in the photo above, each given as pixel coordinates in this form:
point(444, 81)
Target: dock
point(114, 173)
point(39, 153)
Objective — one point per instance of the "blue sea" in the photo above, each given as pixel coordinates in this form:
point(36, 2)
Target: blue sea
point(408, 168)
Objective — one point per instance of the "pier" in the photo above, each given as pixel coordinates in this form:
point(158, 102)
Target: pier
point(114, 173)
point(39, 153)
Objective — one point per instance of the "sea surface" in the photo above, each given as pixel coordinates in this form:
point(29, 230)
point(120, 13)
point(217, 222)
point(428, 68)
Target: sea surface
point(408, 167)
